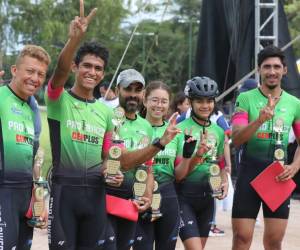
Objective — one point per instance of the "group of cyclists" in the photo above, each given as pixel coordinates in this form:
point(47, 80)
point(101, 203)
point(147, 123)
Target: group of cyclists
point(178, 159)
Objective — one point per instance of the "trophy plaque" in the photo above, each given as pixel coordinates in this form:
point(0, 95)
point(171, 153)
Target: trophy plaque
point(156, 202)
point(115, 151)
point(279, 154)
point(140, 183)
point(215, 179)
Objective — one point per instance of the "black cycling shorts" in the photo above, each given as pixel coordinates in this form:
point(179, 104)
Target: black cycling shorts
point(119, 233)
point(163, 231)
point(14, 231)
point(246, 202)
point(77, 217)
point(196, 214)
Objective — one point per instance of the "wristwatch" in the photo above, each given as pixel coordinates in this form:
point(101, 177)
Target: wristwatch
point(156, 143)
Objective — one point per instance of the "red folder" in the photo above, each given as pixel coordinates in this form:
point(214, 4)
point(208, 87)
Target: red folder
point(121, 207)
point(272, 192)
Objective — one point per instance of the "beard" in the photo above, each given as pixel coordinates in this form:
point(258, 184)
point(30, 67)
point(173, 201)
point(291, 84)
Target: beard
point(130, 104)
point(271, 87)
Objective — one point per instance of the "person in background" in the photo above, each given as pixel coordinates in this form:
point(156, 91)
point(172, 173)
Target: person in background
point(180, 104)
point(107, 96)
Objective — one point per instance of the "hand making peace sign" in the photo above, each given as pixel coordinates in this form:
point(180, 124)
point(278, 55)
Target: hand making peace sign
point(80, 23)
point(171, 131)
point(202, 146)
point(267, 112)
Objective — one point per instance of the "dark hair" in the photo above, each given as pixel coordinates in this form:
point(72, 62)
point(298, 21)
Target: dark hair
point(105, 85)
point(270, 51)
point(153, 85)
point(92, 48)
point(178, 99)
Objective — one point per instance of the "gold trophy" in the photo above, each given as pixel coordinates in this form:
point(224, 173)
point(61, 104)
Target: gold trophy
point(141, 175)
point(140, 183)
point(156, 202)
point(215, 179)
point(115, 151)
point(40, 190)
point(279, 154)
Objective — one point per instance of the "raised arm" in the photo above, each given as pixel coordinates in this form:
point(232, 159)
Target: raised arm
point(77, 29)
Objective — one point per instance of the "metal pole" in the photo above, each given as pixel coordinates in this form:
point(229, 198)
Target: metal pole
point(190, 47)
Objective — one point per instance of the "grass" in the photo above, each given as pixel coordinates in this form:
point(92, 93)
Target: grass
point(45, 144)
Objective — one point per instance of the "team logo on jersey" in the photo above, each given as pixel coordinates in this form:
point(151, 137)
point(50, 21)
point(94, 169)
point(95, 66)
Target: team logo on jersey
point(77, 136)
point(16, 110)
point(22, 139)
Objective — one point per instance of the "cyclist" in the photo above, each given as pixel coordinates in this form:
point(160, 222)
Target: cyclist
point(194, 192)
point(257, 111)
point(164, 230)
point(17, 139)
point(136, 133)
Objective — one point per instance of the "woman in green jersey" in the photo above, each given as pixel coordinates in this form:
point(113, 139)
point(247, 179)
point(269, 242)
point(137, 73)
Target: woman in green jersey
point(204, 177)
point(162, 224)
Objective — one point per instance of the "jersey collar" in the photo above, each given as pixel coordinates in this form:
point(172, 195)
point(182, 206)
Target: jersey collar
point(80, 98)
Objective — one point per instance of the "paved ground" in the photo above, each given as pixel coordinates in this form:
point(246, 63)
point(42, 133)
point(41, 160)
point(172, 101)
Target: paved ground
point(291, 240)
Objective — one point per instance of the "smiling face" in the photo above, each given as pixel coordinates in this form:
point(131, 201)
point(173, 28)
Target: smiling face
point(157, 104)
point(203, 107)
point(89, 72)
point(130, 98)
point(28, 76)
point(271, 72)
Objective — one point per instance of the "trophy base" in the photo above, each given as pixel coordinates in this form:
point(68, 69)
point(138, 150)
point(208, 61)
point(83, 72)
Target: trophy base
point(36, 222)
point(155, 215)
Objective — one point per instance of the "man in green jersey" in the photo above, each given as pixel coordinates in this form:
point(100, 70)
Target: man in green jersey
point(260, 115)
point(16, 146)
point(136, 133)
point(80, 134)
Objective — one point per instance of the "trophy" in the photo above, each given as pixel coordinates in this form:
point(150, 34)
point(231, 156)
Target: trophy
point(40, 190)
point(215, 179)
point(141, 175)
point(140, 183)
point(115, 151)
point(279, 154)
point(156, 202)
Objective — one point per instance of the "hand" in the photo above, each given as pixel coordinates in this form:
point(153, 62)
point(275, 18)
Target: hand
point(228, 169)
point(224, 188)
point(267, 112)
point(1, 73)
point(117, 180)
point(171, 131)
point(80, 24)
point(44, 218)
point(202, 147)
point(288, 173)
point(189, 144)
point(142, 204)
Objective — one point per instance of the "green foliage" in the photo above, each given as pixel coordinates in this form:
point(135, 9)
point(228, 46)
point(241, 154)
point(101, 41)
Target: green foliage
point(292, 10)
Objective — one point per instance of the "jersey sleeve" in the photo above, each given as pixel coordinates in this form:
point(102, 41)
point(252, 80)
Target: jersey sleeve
point(53, 105)
point(296, 122)
point(240, 116)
